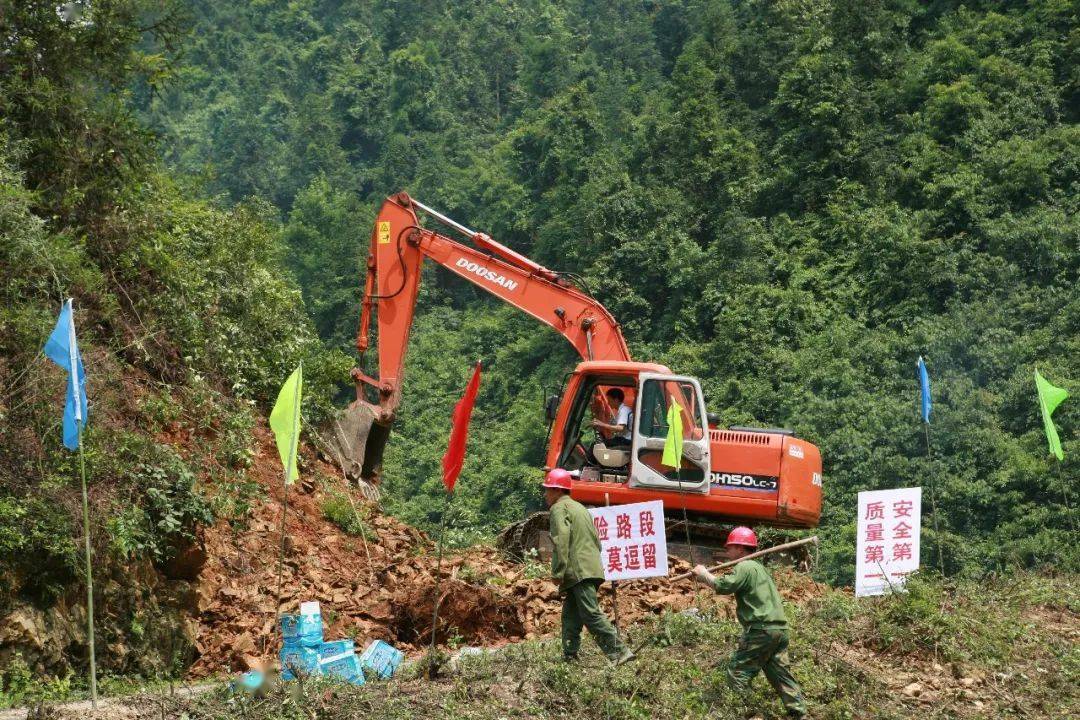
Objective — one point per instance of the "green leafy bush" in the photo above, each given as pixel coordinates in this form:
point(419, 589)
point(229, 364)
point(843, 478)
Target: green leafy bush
point(38, 553)
point(166, 509)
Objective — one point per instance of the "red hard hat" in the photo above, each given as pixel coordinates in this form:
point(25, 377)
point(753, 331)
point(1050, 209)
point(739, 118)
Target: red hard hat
point(557, 478)
point(742, 536)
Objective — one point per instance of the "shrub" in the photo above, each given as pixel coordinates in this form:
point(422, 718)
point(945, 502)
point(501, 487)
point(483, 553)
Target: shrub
point(164, 508)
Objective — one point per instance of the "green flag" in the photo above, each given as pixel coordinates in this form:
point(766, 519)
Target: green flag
point(1049, 398)
point(285, 422)
point(673, 443)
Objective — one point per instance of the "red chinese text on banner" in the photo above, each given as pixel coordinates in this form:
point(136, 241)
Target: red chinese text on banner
point(888, 539)
point(632, 540)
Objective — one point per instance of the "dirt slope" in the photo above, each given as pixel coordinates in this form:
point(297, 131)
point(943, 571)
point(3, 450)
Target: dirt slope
point(486, 600)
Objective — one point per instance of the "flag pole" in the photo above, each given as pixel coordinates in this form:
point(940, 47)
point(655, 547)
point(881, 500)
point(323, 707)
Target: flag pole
point(281, 556)
point(685, 518)
point(924, 389)
point(285, 490)
point(438, 586)
point(1065, 497)
point(933, 500)
point(80, 415)
point(452, 463)
point(89, 571)
point(614, 583)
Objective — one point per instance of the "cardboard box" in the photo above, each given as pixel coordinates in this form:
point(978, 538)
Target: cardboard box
point(337, 658)
point(382, 658)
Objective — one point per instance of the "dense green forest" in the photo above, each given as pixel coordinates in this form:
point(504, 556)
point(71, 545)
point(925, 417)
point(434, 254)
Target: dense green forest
point(790, 200)
point(186, 321)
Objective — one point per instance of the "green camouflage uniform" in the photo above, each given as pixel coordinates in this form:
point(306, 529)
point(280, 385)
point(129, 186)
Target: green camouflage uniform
point(575, 563)
point(765, 634)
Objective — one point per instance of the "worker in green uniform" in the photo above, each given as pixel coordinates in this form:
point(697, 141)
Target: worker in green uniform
point(765, 629)
point(575, 563)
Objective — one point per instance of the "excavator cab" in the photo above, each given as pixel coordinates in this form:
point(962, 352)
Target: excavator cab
point(652, 394)
point(583, 446)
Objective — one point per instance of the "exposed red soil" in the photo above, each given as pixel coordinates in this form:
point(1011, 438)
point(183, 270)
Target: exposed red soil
point(487, 600)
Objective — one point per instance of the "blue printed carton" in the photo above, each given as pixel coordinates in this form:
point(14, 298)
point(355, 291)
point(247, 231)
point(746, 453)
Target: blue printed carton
point(337, 658)
point(309, 627)
point(290, 628)
point(335, 647)
point(297, 658)
point(381, 658)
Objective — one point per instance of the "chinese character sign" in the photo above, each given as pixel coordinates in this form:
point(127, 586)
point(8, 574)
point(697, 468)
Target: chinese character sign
point(888, 545)
point(633, 543)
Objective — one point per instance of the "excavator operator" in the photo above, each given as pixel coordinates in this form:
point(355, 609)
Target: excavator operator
point(618, 432)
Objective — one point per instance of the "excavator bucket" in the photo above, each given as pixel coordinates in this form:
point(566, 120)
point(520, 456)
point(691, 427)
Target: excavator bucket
point(358, 441)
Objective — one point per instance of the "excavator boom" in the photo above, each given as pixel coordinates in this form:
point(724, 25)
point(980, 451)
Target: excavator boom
point(399, 245)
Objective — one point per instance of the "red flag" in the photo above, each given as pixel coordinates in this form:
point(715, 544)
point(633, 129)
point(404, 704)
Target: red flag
point(455, 449)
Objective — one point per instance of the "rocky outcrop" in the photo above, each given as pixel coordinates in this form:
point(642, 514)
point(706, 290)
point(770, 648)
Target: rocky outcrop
point(144, 626)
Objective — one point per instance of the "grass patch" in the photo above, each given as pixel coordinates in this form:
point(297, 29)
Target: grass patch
point(351, 518)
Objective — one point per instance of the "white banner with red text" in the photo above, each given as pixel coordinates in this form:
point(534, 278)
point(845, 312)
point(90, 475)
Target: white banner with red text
point(887, 549)
point(633, 542)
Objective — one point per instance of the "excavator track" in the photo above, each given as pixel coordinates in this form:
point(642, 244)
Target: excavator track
point(526, 537)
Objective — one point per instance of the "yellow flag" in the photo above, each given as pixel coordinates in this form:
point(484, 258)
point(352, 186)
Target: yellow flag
point(673, 443)
point(285, 422)
point(1049, 398)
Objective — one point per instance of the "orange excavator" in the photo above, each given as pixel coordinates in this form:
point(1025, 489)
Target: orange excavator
point(727, 475)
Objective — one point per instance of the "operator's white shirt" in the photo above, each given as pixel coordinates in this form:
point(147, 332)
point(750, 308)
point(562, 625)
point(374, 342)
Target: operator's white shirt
point(624, 417)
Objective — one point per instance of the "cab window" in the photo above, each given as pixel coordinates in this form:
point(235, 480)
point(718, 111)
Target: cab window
point(657, 396)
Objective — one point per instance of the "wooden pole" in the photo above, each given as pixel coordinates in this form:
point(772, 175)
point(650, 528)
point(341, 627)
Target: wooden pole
point(294, 441)
point(1065, 497)
point(89, 570)
point(685, 519)
point(751, 556)
point(281, 556)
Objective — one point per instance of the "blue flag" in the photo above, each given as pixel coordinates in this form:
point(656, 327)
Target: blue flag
point(924, 381)
point(63, 349)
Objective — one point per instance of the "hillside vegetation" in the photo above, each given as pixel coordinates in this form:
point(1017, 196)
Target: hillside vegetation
point(791, 200)
point(185, 320)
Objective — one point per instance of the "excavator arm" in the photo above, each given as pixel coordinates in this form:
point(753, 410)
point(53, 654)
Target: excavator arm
point(399, 245)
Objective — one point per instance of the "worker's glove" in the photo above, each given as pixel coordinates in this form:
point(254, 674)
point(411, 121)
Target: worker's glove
point(702, 573)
